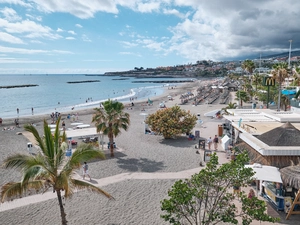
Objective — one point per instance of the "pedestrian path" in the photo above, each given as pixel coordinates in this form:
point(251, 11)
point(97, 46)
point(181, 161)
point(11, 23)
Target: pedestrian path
point(32, 199)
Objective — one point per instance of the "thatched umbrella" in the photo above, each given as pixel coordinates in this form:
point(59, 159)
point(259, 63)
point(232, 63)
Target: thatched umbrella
point(285, 135)
point(291, 175)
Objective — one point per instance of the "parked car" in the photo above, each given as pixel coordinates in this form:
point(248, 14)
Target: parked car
point(73, 142)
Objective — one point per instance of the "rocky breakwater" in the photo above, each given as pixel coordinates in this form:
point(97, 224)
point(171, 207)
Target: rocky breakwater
point(19, 86)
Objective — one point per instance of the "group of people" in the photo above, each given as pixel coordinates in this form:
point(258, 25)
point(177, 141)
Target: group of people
point(214, 141)
point(54, 116)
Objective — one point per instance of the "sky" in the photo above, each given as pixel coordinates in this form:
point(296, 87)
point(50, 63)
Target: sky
point(98, 36)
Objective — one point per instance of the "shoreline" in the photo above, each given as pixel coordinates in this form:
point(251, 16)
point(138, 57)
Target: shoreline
point(89, 108)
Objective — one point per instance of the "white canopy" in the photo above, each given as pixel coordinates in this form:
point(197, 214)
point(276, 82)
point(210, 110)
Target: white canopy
point(212, 113)
point(266, 173)
point(81, 132)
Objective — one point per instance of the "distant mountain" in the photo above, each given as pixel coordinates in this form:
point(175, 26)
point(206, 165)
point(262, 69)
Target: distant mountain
point(280, 55)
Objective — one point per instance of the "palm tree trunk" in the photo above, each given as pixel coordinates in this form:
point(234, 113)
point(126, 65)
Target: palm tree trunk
point(111, 147)
point(62, 210)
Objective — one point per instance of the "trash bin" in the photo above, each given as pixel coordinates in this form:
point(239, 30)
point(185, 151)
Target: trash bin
point(29, 147)
point(207, 155)
point(197, 133)
point(220, 130)
point(69, 152)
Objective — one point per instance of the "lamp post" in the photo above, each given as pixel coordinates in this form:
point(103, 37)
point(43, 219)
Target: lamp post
point(290, 53)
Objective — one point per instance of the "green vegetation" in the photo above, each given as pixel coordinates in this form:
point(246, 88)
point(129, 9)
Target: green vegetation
point(207, 197)
point(110, 120)
point(248, 65)
point(171, 121)
point(49, 169)
point(280, 73)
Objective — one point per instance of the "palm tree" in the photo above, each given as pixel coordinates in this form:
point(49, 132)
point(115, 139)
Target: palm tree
point(256, 79)
point(242, 96)
point(110, 120)
point(296, 76)
point(248, 65)
point(49, 169)
point(229, 106)
point(285, 101)
point(280, 73)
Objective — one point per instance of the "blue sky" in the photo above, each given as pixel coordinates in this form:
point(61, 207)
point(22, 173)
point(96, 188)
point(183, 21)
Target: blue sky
point(97, 36)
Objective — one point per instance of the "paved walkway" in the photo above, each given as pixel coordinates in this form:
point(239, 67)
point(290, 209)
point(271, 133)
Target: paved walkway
point(32, 199)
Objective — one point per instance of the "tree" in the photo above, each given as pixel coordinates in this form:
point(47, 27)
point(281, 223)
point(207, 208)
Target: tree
point(284, 101)
point(206, 198)
point(242, 96)
point(49, 169)
point(248, 65)
point(171, 121)
point(280, 73)
point(229, 106)
point(110, 120)
point(296, 76)
point(256, 79)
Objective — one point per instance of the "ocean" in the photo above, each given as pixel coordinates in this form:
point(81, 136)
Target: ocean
point(53, 93)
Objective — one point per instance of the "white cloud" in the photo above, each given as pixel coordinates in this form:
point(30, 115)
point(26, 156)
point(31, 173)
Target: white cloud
point(71, 32)
point(81, 9)
point(148, 7)
point(39, 18)
point(59, 30)
point(151, 44)
point(70, 38)
point(174, 12)
point(78, 25)
point(130, 53)
point(20, 61)
point(4, 49)
point(85, 38)
point(16, 2)
point(36, 42)
point(10, 38)
point(127, 44)
point(29, 28)
point(10, 14)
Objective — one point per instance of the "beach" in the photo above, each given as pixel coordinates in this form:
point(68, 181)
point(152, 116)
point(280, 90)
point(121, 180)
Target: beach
point(138, 177)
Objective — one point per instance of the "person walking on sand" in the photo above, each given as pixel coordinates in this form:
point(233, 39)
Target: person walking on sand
point(32, 110)
point(209, 141)
point(86, 171)
point(216, 142)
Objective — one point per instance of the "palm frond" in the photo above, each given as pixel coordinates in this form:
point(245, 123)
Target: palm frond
point(49, 143)
point(18, 161)
point(37, 137)
point(84, 152)
point(13, 189)
point(90, 187)
point(10, 190)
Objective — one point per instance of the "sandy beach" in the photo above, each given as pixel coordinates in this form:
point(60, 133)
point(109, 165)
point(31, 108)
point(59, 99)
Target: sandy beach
point(144, 168)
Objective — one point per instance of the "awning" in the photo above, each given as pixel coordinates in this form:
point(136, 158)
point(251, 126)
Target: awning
point(288, 92)
point(266, 173)
point(212, 113)
point(81, 132)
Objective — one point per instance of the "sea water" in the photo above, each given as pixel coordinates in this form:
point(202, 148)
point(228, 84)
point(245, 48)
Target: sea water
point(53, 93)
